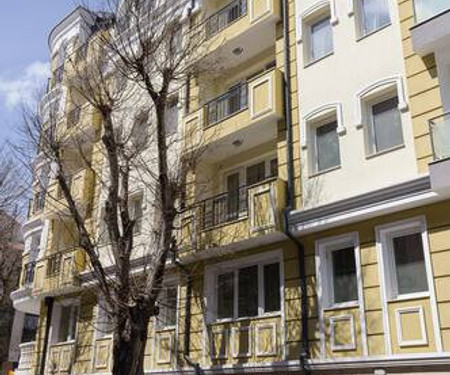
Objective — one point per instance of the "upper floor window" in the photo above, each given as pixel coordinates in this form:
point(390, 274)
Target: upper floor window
point(104, 326)
point(321, 39)
point(172, 117)
point(385, 131)
point(136, 213)
point(327, 154)
point(67, 327)
point(249, 291)
point(374, 14)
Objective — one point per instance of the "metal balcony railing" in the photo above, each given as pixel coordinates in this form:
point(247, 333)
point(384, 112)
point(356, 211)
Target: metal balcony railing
point(425, 9)
point(28, 275)
point(440, 136)
point(225, 16)
point(233, 101)
point(225, 207)
point(53, 265)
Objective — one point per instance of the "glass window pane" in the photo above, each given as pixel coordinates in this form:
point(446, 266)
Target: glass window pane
point(271, 287)
point(345, 285)
point(428, 8)
point(274, 168)
point(225, 295)
point(169, 306)
point(410, 264)
point(321, 39)
point(387, 127)
point(327, 147)
point(256, 173)
point(248, 291)
point(375, 14)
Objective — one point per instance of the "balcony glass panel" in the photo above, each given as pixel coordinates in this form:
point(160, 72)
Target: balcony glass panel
point(428, 8)
point(440, 136)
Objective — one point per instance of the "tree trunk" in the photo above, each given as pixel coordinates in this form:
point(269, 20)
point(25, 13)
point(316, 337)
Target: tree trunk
point(129, 343)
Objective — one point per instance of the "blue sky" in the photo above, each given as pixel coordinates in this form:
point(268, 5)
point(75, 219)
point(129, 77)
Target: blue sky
point(24, 56)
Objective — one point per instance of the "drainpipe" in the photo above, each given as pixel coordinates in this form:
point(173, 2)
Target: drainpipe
point(304, 352)
point(49, 301)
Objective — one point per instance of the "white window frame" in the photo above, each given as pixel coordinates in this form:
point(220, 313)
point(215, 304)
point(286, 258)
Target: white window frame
point(133, 198)
point(57, 318)
point(359, 22)
point(313, 154)
point(212, 272)
point(385, 236)
point(373, 94)
point(322, 248)
point(314, 13)
point(100, 335)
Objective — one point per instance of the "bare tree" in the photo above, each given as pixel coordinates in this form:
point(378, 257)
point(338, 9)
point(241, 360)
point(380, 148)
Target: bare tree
point(142, 55)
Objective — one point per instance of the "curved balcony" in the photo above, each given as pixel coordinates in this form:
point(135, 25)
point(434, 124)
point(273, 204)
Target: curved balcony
point(233, 217)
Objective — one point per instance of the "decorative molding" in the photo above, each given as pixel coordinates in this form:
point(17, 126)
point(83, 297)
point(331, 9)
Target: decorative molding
point(314, 9)
point(316, 114)
point(235, 333)
point(258, 328)
point(268, 10)
point(374, 89)
point(408, 343)
point(161, 337)
point(213, 353)
point(342, 318)
point(254, 194)
point(252, 85)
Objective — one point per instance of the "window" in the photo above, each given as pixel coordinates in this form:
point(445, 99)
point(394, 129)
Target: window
point(172, 117)
point(168, 306)
point(344, 281)
point(68, 323)
point(386, 127)
point(136, 213)
point(256, 173)
point(374, 14)
point(321, 39)
point(104, 326)
point(410, 271)
point(30, 324)
point(338, 270)
point(139, 130)
point(273, 168)
point(327, 147)
point(403, 255)
point(248, 291)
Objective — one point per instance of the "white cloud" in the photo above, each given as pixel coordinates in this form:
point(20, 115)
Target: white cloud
point(14, 91)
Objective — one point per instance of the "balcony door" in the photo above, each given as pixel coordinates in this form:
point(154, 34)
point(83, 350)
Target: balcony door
point(233, 199)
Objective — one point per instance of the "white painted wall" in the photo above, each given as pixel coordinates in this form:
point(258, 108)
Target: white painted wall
point(353, 66)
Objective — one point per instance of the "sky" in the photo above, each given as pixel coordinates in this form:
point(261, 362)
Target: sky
point(24, 55)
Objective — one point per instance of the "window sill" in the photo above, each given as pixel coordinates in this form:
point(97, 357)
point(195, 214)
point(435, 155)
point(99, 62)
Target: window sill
point(308, 64)
point(342, 306)
point(364, 36)
point(251, 318)
point(316, 174)
point(165, 329)
point(410, 297)
point(392, 149)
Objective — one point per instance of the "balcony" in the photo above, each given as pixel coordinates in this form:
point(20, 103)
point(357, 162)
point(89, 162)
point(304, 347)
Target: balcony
point(432, 30)
point(82, 123)
point(23, 299)
point(440, 141)
point(58, 273)
point(249, 111)
point(247, 26)
point(231, 217)
point(82, 187)
point(27, 360)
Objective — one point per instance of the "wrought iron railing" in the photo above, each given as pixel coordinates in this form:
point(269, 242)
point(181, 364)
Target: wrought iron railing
point(227, 104)
point(28, 274)
point(225, 16)
point(223, 208)
point(53, 264)
point(440, 136)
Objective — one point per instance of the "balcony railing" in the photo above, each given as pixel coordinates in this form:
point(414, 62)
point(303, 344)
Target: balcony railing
point(224, 207)
point(233, 101)
point(225, 16)
point(27, 355)
point(425, 9)
point(440, 136)
point(28, 273)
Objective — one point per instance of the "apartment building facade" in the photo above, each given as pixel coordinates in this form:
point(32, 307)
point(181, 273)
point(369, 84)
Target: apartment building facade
point(317, 233)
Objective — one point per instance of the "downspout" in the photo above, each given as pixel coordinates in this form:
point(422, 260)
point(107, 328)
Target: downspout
point(304, 351)
point(49, 301)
